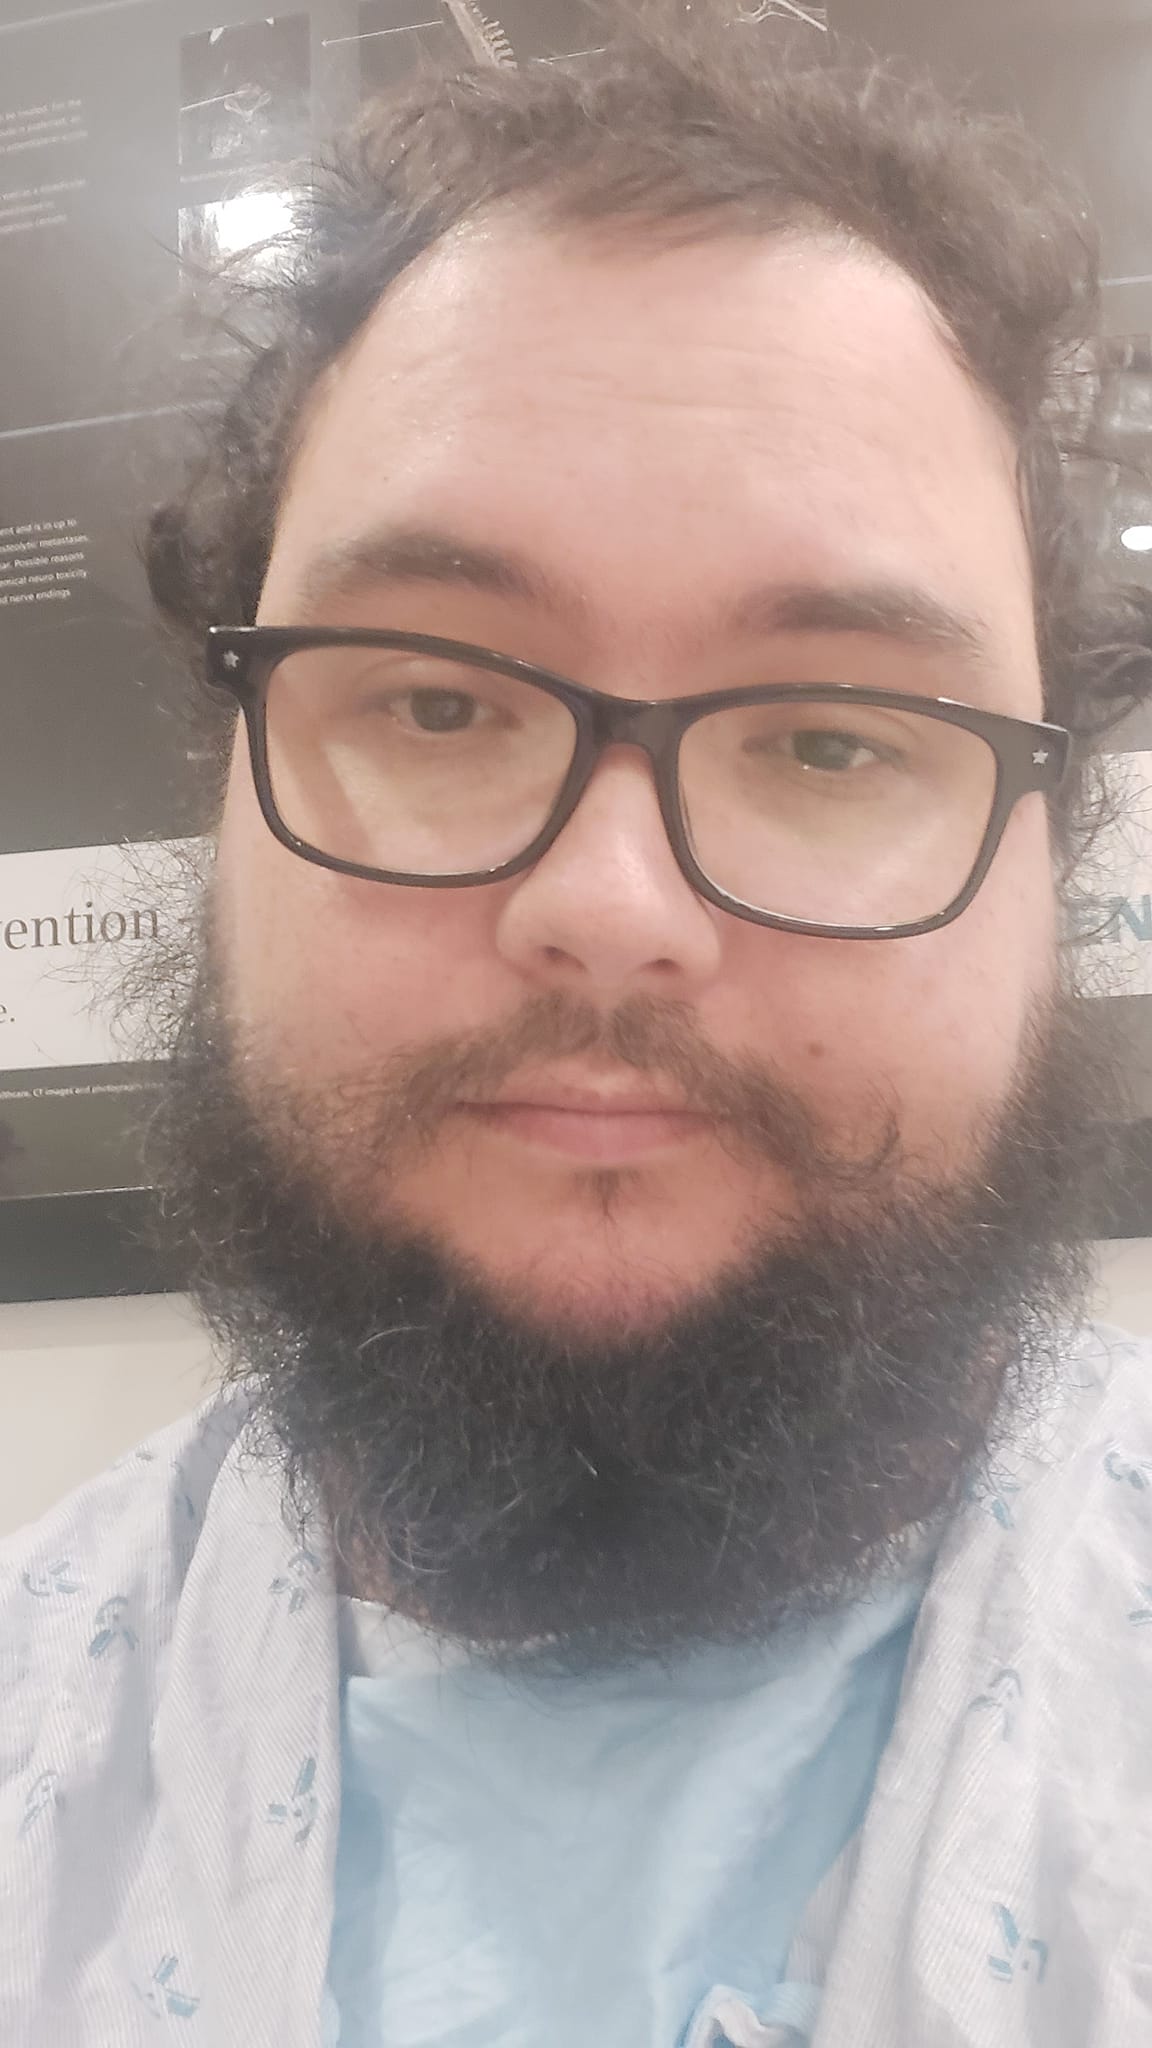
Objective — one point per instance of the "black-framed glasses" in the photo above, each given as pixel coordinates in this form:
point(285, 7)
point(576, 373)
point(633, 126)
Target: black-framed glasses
point(811, 807)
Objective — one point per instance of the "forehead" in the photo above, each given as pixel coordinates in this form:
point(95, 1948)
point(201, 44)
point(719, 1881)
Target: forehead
point(625, 410)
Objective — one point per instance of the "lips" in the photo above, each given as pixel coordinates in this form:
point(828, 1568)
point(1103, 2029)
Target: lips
point(606, 1124)
point(590, 1101)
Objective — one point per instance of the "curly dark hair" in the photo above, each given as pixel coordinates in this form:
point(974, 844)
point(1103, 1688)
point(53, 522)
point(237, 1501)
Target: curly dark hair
point(696, 129)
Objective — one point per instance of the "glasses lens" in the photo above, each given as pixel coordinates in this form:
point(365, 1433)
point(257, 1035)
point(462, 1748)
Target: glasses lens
point(843, 815)
point(410, 762)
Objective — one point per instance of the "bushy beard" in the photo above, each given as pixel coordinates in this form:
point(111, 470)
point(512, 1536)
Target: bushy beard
point(569, 1503)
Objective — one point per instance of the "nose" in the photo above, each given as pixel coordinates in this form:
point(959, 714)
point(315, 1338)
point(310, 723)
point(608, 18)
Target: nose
point(606, 911)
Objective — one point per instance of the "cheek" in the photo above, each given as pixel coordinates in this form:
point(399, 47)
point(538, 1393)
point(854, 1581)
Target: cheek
point(331, 970)
point(933, 1025)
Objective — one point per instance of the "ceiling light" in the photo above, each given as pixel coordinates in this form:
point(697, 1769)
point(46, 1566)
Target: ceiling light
point(1138, 538)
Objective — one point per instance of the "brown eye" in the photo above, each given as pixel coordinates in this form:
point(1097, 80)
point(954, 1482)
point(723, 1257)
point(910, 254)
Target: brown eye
point(441, 710)
point(832, 752)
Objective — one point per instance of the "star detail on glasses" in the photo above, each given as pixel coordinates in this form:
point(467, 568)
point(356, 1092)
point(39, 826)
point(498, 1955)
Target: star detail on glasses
point(231, 659)
point(1039, 757)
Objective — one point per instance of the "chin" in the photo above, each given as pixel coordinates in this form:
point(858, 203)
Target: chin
point(591, 1298)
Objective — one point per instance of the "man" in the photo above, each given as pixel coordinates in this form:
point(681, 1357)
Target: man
point(666, 1564)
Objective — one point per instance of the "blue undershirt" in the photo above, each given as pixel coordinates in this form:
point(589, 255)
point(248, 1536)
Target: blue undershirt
point(584, 1861)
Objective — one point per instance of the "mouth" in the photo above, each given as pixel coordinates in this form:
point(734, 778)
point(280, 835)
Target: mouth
point(610, 1124)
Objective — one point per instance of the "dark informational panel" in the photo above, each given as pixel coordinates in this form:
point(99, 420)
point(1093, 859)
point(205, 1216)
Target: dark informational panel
point(140, 141)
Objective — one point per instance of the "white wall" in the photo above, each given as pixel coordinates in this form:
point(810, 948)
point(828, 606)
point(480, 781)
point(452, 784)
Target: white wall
point(82, 1381)
point(1124, 1295)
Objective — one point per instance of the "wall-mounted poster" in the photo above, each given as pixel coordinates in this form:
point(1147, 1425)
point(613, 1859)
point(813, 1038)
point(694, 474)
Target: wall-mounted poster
point(72, 921)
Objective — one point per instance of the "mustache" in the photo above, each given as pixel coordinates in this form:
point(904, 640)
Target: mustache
point(757, 1112)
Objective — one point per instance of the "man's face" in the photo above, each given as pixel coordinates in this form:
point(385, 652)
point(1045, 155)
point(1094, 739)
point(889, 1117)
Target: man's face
point(654, 433)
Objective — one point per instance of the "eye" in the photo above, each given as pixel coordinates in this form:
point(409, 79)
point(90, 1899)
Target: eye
point(438, 710)
point(832, 752)
point(431, 709)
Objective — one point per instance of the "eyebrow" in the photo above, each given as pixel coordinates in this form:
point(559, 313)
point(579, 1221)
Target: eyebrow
point(409, 554)
point(396, 555)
